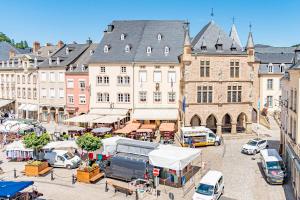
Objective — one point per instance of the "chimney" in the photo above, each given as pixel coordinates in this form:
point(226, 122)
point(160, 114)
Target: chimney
point(60, 44)
point(12, 54)
point(36, 46)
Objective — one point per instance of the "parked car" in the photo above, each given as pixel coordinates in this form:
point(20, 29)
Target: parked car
point(273, 166)
point(62, 158)
point(254, 146)
point(128, 167)
point(211, 186)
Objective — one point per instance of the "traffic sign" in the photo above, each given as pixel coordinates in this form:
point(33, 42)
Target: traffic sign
point(155, 171)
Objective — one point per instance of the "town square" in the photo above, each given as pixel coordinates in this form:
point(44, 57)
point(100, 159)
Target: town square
point(194, 102)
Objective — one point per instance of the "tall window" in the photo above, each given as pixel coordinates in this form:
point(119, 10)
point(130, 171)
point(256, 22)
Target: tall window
point(234, 69)
point(82, 99)
point(270, 101)
point(171, 97)
point(61, 93)
point(142, 76)
point(29, 93)
point(102, 80)
point(204, 68)
point(82, 84)
point(171, 77)
point(52, 93)
point(61, 76)
point(18, 79)
point(295, 101)
point(34, 79)
point(70, 83)
point(43, 76)
point(204, 94)
point(234, 94)
point(157, 76)
point(102, 97)
point(70, 99)
point(29, 79)
point(270, 84)
point(126, 98)
point(24, 93)
point(143, 96)
point(52, 76)
point(23, 79)
point(34, 93)
point(270, 68)
point(157, 97)
point(44, 93)
point(120, 97)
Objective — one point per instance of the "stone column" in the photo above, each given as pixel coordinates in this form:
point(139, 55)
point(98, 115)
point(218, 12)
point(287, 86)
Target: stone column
point(219, 129)
point(48, 115)
point(248, 127)
point(233, 128)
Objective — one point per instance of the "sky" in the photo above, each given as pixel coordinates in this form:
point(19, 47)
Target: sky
point(274, 22)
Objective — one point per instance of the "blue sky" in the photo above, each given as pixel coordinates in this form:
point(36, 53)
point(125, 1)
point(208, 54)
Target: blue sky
point(274, 22)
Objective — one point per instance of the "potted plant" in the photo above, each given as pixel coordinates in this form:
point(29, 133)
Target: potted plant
point(31, 140)
point(88, 142)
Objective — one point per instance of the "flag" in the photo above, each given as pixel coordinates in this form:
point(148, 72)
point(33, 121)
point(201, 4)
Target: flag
point(183, 104)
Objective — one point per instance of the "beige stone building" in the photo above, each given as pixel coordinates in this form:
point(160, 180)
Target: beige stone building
point(290, 120)
point(220, 82)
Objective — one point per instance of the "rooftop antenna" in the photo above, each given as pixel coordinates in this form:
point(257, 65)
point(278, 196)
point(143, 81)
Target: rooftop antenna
point(212, 13)
point(250, 27)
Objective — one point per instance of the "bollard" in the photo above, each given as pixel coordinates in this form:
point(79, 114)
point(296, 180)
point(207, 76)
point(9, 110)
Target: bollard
point(73, 179)
point(136, 195)
point(106, 186)
point(52, 177)
point(15, 173)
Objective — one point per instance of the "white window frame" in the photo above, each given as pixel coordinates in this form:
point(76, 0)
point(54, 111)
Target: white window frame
point(142, 79)
point(70, 97)
point(142, 96)
point(149, 50)
point(102, 69)
point(43, 76)
point(61, 76)
point(82, 100)
point(70, 83)
point(61, 93)
point(157, 76)
point(170, 73)
point(52, 78)
point(50, 91)
point(171, 97)
point(157, 97)
point(123, 69)
point(43, 93)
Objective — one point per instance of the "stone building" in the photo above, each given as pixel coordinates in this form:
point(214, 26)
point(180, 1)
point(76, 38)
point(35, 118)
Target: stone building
point(290, 120)
point(219, 81)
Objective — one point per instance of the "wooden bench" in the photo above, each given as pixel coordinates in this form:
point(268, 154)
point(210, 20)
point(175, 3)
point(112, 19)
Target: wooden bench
point(122, 189)
point(45, 171)
point(97, 177)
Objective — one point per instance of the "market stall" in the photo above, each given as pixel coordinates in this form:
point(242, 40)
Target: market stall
point(129, 130)
point(62, 145)
point(167, 132)
point(17, 151)
point(144, 134)
point(101, 131)
point(175, 163)
point(109, 145)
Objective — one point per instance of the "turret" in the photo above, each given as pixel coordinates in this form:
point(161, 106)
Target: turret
point(234, 35)
point(187, 49)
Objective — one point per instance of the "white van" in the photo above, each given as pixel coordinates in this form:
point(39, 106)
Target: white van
point(211, 186)
point(273, 166)
point(62, 158)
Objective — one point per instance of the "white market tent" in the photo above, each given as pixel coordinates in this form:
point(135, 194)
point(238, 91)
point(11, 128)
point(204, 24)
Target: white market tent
point(110, 144)
point(67, 144)
point(172, 157)
point(154, 114)
point(85, 118)
point(109, 119)
point(17, 145)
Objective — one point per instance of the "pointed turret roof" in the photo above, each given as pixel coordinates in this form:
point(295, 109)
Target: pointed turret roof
point(234, 35)
point(187, 41)
point(250, 43)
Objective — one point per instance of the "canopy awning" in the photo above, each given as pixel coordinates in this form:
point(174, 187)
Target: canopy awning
point(109, 119)
point(11, 188)
point(4, 102)
point(32, 107)
point(144, 130)
point(172, 157)
point(155, 114)
point(17, 145)
point(128, 128)
point(21, 107)
point(101, 130)
point(67, 144)
point(167, 127)
point(108, 111)
point(85, 118)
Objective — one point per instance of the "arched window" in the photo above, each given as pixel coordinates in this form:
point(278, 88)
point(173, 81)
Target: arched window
point(106, 48)
point(167, 50)
point(123, 36)
point(159, 36)
point(149, 50)
point(270, 68)
point(127, 48)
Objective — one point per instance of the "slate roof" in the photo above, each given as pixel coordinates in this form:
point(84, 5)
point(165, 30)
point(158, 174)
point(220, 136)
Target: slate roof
point(211, 34)
point(275, 49)
point(274, 57)
point(263, 68)
point(140, 34)
point(83, 60)
point(5, 47)
point(75, 50)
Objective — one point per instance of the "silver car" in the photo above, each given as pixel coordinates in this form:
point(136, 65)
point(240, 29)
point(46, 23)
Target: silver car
point(254, 146)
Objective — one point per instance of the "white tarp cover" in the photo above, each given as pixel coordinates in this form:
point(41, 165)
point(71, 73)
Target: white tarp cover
point(67, 144)
point(108, 111)
point(172, 157)
point(109, 119)
point(4, 102)
point(17, 145)
point(85, 118)
point(32, 107)
point(155, 114)
point(110, 145)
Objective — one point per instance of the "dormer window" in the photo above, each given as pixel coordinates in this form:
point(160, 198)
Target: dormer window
point(270, 68)
point(127, 48)
point(167, 50)
point(233, 48)
point(159, 36)
point(71, 68)
point(91, 52)
point(123, 36)
point(57, 61)
point(106, 48)
point(67, 51)
point(281, 68)
point(219, 47)
point(149, 50)
point(203, 48)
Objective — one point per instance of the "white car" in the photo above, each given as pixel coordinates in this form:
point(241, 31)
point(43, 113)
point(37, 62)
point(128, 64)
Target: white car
point(211, 186)
point(254, 146)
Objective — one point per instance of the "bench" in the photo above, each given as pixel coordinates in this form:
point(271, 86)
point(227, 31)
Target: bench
point(97, 177)
point(122, 189)
point(45, 171)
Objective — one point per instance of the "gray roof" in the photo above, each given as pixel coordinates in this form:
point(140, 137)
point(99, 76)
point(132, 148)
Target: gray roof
point(263, 68)
point(75, 50)
point(274, 57)
point(211, 34)
point(275, 49)
point(6, 47)
point(83, 60)
point(140, 34)
point(234, 35)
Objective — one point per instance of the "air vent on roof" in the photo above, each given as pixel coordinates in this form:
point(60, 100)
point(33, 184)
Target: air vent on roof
point(127, 48)
point(167, 50)
point(67, 51)
point(149, 50)
point(159, 37)
point(106, 48)
point(123, 35)
point(91, 52)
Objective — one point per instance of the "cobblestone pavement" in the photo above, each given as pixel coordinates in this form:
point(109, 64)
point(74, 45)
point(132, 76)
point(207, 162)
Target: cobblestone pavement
point(243, 177)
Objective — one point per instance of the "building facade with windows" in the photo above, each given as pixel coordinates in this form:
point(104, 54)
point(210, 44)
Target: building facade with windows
point(52, 90)
point(77, 84)
point(290, 120)
point(219, 81)
point(273, 61)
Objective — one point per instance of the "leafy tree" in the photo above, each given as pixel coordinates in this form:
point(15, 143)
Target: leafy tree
point(3, 37)
point(35, 142)
point(25, 44)
point(89, 142)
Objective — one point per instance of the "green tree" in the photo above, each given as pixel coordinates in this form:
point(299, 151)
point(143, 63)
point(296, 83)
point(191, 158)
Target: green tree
point(89, 142)
point(3, 37)
point(25, 44)
point(35, 142)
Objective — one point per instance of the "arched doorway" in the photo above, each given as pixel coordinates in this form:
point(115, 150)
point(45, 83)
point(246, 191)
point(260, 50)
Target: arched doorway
point(44, 114)
point(211, 123)
point(61, 115)
point(226, 124)
point(241, 123)
point(254, 115)
point(195, 121)
point(52, 114)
